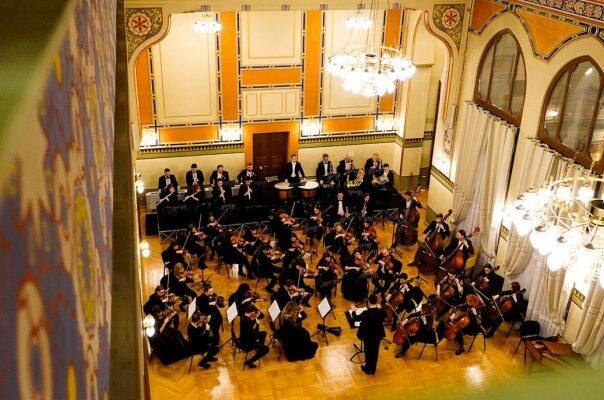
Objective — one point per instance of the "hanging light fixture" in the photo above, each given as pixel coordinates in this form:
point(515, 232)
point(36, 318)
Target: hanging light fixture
point(207, 24)
point(370, 69)
point(566, 224)
point(358, 22)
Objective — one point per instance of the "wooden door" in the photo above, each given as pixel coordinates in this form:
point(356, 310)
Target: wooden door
point(270, 152)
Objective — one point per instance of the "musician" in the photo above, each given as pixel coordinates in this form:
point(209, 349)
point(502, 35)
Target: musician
point(459, 242)
point(294, 251)
point(410, 202)
point(251, 337)
point(354, 281)
point(388, 177)
point(209, 303)
point(166, 179)
point(194, 175)
point(200, 339)
point(158, 301)
point(425, 334)
point(340, 208)
point(438, 226)
point(366, 208)
point(195, 197)
point(346, 168)
point(387, 271)
point(247, 194)
point(176, 282)
point(368, 239)
point(337, 241)
point(412, 296)
point(248, 172)
point(173, 255)
point(296, 275)
point(170, 198)
point(373, 165)
point(296, 341)
point(371, 332)
point(488, 282)
point(293, 171)
point(220, 174)
point(265, 258)
point(324, 171)
point(327, 276)
point(195, 245)
point(452, 280)
point(471, 308)
point(516, 313)
point(168, 344)
point(221, 194)
point(244, 297)
point(211, 231)
point(315, 229)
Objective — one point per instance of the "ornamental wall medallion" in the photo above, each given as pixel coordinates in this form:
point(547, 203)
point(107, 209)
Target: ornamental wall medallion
point(141, 24)
point(449, 19)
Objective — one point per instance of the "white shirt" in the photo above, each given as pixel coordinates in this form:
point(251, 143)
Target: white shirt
point(347, 166)
point(326, 168)
point(218, 175)
point(408, 203)
point(167, 181)
point(293, 175)
point(249, 173)
point(340, 206)
point(195, 177)
point(248, 193)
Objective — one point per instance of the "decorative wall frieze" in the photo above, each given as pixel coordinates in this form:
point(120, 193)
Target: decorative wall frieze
point(442, 178)
point(449, 19)
point(189, 149)
point(141, 24)
point(349, 139)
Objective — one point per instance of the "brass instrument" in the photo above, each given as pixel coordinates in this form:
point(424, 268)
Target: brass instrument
point(379, 180)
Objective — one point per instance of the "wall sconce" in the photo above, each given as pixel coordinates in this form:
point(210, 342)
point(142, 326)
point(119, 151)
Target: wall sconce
point(310, 127)
point(138, 183)
point(230, 133)
point(144, 248)
point(149, 137)
point(149, 325)
point(384, 123)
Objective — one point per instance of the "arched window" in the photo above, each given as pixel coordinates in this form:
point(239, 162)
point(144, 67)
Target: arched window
point(572, 121)
point(501, 80)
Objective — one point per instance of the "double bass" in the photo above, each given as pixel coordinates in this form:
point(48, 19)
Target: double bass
point(406, 231)
point(426, 256)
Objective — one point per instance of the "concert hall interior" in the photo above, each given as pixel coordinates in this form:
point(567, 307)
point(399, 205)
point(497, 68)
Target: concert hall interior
point(340, 199)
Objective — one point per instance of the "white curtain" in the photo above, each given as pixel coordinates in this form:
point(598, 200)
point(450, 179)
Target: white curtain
point(481, 182)
point(591, 329)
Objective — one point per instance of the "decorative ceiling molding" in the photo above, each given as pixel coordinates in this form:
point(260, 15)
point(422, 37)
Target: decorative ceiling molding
point(483, 12)
point(591, 10)
point(141, 24)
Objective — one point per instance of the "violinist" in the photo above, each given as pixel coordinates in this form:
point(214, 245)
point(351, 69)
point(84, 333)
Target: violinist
point(231, 251)
point(283, 230)
point(251, 337)
point(297, 342)
point(423, 322)
point(244, 297)
point(387, 271)
point(194, 244)
point(192, 176)
point(209, 303)
point(337, 242)
point(315, 229)
point(220, 174)
point(221, 194)
point(368, 238)
point(324, 172)
point(465, 319)
point(459, 243)
point(168, 344)
point(354, 282)
point(211, 229)
point(436, 227)
point(200, 339)
point(327, 276)
point(296, 274)
point(448, 292)
point(294, 252)
point(488, 282)
point(172, 255)
point(176, 283)
point(158, 301)
point(265, 258)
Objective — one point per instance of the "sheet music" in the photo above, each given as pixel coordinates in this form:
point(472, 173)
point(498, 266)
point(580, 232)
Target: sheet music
point(274, 310)
point(192, 307)
point(232, 312)
point(324, 307)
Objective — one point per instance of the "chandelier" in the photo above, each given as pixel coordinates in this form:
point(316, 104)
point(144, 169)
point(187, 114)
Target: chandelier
point(207, 24)
point(370, 69)
point(565, 223)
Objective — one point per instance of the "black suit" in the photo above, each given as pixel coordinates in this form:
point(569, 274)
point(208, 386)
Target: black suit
point(190, 180)
point(162, 183)
point(214, 177)
point(243, 200)
point(252, 338)
point(467, 250)
point(341, 169)
point(200, 340)
point(244, 173)
point(444, 231)
point(320, 173)
point(371, 331)
point(288, 169)
point(390, 183)
point(369, 165)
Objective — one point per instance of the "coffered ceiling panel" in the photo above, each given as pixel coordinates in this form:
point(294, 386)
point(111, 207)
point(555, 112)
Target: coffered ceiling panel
point(271, 38)
point(337, 101)
point(185, 74)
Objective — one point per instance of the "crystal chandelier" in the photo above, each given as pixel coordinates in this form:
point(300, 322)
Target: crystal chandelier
point(207, 24)
point(566, 224)
point(370, 69)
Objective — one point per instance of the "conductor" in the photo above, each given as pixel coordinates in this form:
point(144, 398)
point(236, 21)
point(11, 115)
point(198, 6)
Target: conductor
point(371, 331)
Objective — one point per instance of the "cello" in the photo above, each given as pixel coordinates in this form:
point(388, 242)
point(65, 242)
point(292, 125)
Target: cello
point(411, 326)
point(455, 259)
point(427, 253)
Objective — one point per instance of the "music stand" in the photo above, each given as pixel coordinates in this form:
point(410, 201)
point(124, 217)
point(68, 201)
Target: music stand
point(231, 313)
point(190, 311)
point(273, 311)
point(324, 309)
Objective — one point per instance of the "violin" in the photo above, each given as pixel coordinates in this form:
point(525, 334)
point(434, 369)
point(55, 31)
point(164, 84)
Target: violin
point(219, 300)
point(370, 233)
point(254, 296)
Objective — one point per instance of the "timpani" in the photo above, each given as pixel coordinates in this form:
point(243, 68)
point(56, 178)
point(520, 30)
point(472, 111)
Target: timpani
point(284, 190)
point(309, 189)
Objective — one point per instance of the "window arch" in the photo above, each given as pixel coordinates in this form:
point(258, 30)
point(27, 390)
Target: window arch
point(572, 120)
point(501, 79)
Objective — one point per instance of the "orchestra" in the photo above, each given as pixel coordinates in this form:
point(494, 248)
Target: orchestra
point(340, 230)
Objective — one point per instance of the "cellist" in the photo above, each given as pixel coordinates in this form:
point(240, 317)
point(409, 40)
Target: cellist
point(471, 308)
point(436, 227)
point(459, 243)
point(444, 296)
point(425, 334)
point(488, 282)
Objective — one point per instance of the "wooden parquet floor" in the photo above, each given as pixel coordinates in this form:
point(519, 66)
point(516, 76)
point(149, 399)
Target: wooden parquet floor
point(330, 374)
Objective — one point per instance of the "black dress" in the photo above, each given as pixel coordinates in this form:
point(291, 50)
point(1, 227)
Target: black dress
point(297, 343)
